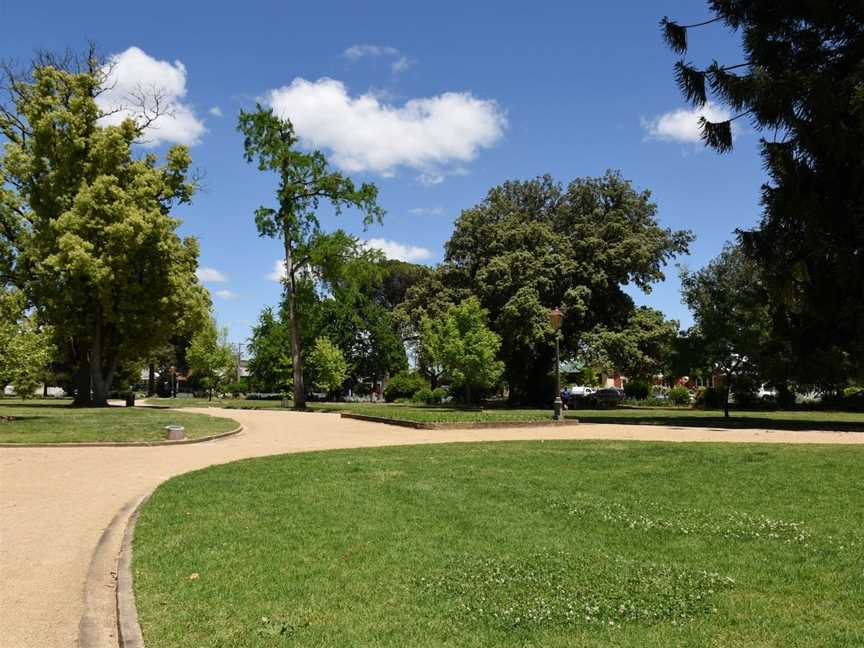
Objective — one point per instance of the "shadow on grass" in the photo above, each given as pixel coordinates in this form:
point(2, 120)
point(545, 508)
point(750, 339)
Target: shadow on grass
point(731, 423)
point(64, 405)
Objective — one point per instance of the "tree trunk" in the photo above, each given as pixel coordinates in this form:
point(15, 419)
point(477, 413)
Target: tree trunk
point(151, 380)
point(726, 389)
point(82, 383)
point(467, 393)
point(45, 389)
point(101, 376)
point(299, 391)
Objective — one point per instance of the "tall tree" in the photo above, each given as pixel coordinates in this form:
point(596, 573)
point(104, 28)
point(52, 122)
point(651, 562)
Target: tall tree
point(304, 180)
point(729, 305)
point(800, 81)
point(535, 245)
point(92, 243)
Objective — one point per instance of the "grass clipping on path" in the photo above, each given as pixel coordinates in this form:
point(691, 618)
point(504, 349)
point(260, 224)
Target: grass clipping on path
point(546, 544)
point(46, 421)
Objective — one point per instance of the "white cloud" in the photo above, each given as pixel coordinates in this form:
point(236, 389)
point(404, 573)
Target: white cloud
point(134, 73)
point(356, 52)
point(279, 273)
point(426, 211)
point(682, 125)
point(225, 294)
point(398, 251)
point(216, 111)
point(364, 133)
point(399, 64)
point(210, 275)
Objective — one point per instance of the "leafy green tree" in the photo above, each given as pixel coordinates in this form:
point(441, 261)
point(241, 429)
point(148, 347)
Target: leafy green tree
point(800, 82)
point(641, 348)
point(467, 347)
point(25, 347)
point(87, 230)
point(430, 298)
point(398, 277)
point(270, 353)
point(535, 245)
point(328, 366)
point(210, 357)
point(304, 180)
point(729, 305)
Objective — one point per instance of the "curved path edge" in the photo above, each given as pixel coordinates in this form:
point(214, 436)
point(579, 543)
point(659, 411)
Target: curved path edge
point(126, 444)
point(128, 630)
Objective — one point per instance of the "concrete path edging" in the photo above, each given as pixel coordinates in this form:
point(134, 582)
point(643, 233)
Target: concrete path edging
point(126, 444)
point(128, 629)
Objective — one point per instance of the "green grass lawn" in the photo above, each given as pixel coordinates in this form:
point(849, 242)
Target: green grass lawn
point(551, 544)
point(54, 421)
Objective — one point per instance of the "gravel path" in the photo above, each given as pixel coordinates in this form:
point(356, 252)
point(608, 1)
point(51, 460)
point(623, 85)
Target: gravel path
point(63, 510)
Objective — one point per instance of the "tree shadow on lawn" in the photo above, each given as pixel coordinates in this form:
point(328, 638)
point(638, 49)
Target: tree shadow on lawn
point(731, 423)
point(61, 405)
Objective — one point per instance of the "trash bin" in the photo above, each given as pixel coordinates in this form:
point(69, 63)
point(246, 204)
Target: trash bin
point(175, 432)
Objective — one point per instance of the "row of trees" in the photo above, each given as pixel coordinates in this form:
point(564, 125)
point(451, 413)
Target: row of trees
point(480, 319)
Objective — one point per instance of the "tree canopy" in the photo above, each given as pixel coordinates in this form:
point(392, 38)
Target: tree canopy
point(87, 229)
point(728, 301)
point(800, 83)
point(534, 245)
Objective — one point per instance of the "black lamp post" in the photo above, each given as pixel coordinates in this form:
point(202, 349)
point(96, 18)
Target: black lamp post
point(556, 317)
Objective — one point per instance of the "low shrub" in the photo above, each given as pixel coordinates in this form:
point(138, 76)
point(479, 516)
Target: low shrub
point(709, 398)
point(679, 395)
point(422, 395)
point(264, 396)
point(404, 385)
point(235, 388)
point(647, 402)
point(637, 389)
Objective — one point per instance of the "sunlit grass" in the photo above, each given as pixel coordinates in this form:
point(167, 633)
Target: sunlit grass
point(513, 544)
point(55, 421)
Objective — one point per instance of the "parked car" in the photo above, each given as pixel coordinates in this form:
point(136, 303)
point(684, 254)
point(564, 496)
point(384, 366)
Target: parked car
point(600, 398)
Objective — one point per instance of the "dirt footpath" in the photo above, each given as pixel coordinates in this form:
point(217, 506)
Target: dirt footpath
point(63, 510)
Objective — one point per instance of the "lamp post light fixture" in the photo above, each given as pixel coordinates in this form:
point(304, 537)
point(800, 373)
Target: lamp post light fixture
point(556, 317)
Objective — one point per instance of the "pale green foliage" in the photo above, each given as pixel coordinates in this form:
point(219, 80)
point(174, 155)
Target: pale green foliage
point(25, 347)
point(464, 346)
point(96, 249)
point(327, 365)
point(210, 356)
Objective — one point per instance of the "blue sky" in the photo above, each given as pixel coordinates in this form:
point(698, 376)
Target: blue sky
point(436, 103)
